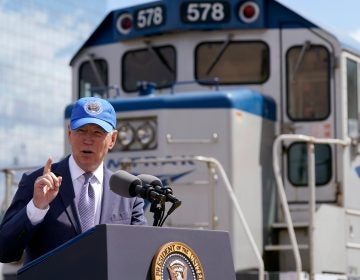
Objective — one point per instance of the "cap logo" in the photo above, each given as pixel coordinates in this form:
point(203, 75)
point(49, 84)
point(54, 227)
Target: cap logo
point(93, 108)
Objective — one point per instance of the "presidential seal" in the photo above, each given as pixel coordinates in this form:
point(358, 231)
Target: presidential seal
point(176, 261)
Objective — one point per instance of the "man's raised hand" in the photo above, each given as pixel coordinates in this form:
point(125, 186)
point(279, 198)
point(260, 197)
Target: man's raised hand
point(46, 187)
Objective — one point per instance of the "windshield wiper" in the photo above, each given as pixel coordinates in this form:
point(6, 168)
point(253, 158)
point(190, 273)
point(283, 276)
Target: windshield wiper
point(160, 56)
point(300, 59)
point(219, 54)
point(95, 69)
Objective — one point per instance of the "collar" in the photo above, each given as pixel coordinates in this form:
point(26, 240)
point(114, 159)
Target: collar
point(77, 172)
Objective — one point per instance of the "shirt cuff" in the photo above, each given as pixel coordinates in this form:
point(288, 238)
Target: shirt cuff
point(35, 215)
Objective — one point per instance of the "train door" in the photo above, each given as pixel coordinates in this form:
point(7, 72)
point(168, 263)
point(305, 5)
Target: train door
point(307, 108)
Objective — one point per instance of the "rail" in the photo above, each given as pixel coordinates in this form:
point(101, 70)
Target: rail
point(353, 212)
point(213, 162)
point(10, 184)
point(312, 199)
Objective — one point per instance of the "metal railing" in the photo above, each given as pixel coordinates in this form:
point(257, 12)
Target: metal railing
point(356, 213)
point(311, 141)
point(10, 179)
point(212, 165)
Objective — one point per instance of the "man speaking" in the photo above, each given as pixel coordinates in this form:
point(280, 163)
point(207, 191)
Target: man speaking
point(59, 201)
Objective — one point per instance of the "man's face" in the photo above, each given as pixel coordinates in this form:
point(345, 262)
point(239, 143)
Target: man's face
point(90, 144)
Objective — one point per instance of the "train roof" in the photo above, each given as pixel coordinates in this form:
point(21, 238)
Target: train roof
point(107, 32)
point(276, 15)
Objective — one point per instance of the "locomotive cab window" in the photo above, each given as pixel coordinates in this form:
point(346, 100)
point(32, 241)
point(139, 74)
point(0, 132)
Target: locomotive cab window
point(93, 78)
point(352, 98)
point(232, 62)
point(155, 65)
point(308, 83)
point(298, 166)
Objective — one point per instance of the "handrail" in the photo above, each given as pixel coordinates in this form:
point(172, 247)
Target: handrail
point(356, 213)
point(312, 200)
point(210, 161)
point(9, 174)
point(214, 138)
point(230, 191)
point(281, 190)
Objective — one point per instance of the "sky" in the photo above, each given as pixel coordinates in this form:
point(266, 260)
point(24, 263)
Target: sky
point(334, 15)
point(342, 16)
point(37, 41)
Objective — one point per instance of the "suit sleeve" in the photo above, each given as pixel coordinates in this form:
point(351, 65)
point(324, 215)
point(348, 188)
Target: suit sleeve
point(138, 217)
point(16, 228)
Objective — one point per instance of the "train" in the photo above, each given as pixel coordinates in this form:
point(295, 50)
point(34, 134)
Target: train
point(250, 112)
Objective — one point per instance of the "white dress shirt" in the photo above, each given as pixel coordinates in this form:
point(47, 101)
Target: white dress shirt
point(37, 215)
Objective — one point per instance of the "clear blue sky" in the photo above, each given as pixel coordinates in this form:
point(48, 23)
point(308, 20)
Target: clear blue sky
point(342, 16)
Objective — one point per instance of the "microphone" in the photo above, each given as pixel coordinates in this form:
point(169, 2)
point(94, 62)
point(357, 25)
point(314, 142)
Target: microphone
point(158, 186)
point(159, 211)
point(125, 184)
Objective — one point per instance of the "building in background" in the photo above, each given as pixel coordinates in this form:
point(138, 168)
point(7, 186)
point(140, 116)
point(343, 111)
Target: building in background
point(37, 40)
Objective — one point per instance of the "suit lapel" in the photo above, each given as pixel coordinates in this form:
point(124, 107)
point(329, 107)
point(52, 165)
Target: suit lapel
point(107, 199)
point(67, 194)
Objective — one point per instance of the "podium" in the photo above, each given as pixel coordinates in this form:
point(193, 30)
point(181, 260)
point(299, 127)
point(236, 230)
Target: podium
point(136, 252)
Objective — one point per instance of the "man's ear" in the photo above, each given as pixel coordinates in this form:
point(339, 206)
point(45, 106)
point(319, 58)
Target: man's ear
point(68, 131)
point(114, 134)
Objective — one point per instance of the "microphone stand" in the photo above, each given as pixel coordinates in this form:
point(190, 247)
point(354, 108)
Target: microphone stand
point(175, 205)
point(158, 202)
point(158, 208)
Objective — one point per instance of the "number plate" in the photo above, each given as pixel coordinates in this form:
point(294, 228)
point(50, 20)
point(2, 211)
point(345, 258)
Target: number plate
point(205, 12)
point(150, 17)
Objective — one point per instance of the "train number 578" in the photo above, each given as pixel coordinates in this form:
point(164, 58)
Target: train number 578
point(201, 12)
point(153, 16)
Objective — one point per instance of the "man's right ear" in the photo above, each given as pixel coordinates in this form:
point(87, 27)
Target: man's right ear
point(68, 130)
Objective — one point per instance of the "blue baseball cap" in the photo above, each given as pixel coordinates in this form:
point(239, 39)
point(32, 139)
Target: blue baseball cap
point(93, 110)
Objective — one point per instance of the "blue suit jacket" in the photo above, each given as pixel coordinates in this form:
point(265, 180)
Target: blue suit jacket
point(61, 223)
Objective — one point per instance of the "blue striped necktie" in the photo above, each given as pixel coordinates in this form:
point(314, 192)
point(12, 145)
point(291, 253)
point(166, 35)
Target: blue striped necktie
point(87, 204)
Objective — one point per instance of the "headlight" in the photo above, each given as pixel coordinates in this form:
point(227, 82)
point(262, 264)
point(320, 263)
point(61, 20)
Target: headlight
point(136, 134)
point(125, 135)
point(145, 134)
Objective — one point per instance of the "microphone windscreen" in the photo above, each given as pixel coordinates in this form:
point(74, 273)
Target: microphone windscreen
point(123, 183)
point(150, 180)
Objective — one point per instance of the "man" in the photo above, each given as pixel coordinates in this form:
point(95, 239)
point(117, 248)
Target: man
point(47, 208)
